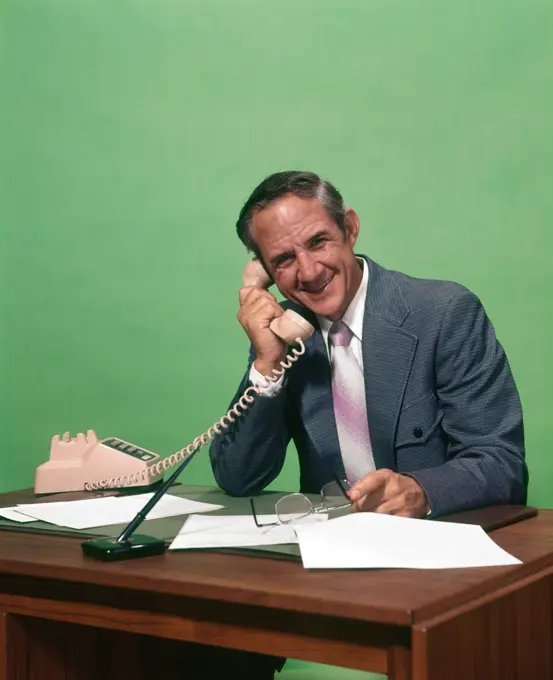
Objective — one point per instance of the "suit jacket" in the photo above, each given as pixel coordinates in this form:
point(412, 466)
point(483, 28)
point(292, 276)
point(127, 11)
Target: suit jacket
point(442, 404)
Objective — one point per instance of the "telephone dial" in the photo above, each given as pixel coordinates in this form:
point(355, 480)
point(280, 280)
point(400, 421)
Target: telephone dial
point(88, 463)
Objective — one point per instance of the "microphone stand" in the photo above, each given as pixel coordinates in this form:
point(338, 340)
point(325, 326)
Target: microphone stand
point(126, 546)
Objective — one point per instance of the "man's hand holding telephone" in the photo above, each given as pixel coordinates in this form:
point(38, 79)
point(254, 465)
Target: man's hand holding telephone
point(269, 328)
point(258, 308)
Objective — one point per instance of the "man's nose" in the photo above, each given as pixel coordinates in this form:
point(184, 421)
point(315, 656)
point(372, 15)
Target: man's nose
point(308, 269)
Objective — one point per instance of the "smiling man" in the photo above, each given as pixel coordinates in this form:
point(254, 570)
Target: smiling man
point(403, 391)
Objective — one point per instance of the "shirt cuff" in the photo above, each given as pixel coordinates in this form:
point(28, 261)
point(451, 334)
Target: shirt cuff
point(266, 388)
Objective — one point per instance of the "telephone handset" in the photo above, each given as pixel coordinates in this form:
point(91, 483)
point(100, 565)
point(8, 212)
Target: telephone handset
point(79, 463)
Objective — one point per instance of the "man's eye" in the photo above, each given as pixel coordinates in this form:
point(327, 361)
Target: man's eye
point(317, 241)
point(282, 261)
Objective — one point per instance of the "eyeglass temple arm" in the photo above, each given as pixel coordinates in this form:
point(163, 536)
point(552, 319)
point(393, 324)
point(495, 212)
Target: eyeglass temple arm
point(270, 524)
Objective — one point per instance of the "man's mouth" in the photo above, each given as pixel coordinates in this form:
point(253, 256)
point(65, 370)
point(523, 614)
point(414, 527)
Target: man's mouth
point(316, 290)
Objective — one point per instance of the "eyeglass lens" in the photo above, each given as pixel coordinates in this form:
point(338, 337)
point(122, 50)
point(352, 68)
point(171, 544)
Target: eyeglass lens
point(332, 494)
point(293, 507)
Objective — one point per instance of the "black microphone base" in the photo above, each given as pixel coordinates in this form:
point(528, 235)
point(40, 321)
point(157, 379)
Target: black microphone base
point(110, 550)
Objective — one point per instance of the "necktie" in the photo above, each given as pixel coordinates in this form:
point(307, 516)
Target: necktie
point(348, 394)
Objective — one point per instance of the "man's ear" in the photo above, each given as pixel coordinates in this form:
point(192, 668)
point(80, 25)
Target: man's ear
point(352, 224)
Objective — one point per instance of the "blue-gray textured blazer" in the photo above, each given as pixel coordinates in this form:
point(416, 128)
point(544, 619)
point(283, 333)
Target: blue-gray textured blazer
point(442, 404)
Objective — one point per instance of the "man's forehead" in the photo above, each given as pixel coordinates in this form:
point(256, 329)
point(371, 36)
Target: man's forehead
point(292, 208)
point(287, 215)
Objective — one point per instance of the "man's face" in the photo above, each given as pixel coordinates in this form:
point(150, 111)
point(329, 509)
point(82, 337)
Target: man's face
point(310, 259)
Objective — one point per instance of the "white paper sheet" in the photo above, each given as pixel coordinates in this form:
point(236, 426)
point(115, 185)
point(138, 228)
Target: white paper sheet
point(11, 513)
point(97, 512)
point(370, 540)
point(236, 531)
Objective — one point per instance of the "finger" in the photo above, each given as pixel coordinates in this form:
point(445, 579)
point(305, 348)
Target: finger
point(259, 314)
point(368, 484)
point(243, 294)
point(264, 307)
point(248, 294)
point(396, 506)
point(390, 507)
point(370, 502)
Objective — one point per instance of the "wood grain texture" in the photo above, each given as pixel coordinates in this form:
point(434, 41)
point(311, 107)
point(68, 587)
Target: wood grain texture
point(505, 635)
point(399, 663)
point(59, 651)
point(14, 648)
point(311, 638)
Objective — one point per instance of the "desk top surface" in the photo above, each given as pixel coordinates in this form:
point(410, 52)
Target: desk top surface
point(392, 596)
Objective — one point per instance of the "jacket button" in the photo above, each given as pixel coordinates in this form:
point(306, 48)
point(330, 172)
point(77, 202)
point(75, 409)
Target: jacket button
point(417, 432)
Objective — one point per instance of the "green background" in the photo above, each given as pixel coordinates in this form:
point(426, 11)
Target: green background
point(132, 131)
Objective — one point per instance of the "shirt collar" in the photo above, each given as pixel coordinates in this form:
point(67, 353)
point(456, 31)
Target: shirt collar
point(353, 316)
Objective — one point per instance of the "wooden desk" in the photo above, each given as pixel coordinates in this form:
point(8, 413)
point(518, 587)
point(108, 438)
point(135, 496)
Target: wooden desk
point(68, 617)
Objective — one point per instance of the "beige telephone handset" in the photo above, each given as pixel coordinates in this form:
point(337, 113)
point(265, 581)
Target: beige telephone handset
point(88, 463)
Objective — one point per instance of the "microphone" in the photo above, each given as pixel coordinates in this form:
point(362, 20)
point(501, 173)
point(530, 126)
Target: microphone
point(126, 546)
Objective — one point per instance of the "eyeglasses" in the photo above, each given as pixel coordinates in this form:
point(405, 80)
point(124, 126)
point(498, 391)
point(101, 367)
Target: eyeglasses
point(296, 506)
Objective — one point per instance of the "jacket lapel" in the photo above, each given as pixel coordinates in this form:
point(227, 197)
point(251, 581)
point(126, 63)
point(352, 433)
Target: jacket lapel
point(388, 353)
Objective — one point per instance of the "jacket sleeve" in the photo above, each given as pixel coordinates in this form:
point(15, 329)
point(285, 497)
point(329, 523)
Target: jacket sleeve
point(250, 453)
point(482, 416)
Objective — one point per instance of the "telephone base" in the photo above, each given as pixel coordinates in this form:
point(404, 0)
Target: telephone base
point(111, 550)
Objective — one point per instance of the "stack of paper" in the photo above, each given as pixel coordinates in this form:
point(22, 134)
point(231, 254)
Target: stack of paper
point(14, 515)
point(237, 531)
point(357, 541)
point(97, 512)
point(369, 540)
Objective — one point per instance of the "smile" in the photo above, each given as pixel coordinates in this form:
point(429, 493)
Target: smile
point(318, 291)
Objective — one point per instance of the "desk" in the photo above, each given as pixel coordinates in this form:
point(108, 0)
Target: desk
point(68, 617)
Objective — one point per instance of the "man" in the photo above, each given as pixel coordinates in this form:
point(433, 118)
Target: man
point(403, 389)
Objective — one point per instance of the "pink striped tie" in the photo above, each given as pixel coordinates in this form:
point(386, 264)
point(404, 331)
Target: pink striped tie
point(348, 394)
